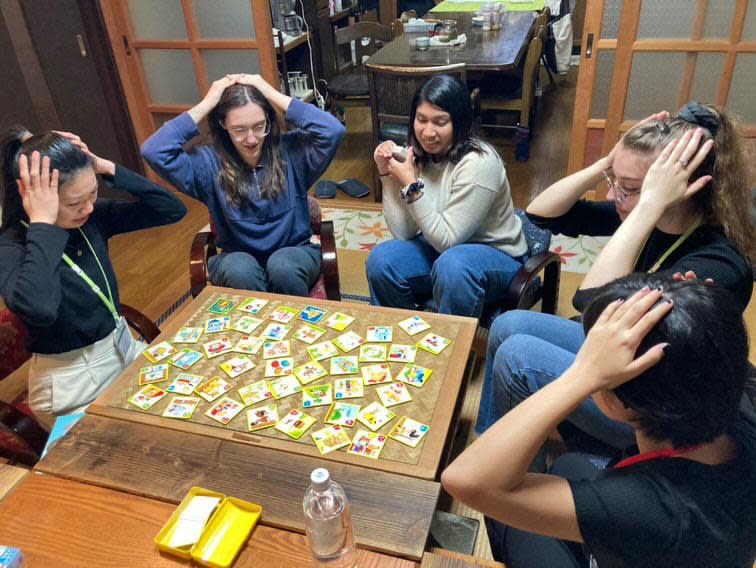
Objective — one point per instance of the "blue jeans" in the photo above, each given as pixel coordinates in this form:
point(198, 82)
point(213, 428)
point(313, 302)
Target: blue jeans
point(461, 280)
point(526, 351)
point(290, 270)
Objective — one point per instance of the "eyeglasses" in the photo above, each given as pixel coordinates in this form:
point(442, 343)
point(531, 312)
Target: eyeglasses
point(622, 193)
point(239, 133)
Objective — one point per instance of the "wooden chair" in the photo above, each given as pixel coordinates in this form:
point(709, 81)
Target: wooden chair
point(22, 438)
point(326, 286)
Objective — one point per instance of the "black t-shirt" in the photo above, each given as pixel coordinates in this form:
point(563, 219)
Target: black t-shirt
point(673, 511)
point(707, 251)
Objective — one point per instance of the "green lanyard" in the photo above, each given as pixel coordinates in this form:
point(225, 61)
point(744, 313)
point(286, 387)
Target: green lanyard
point(697, 223)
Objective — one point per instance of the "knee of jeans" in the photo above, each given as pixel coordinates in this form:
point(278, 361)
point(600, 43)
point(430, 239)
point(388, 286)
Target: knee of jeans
point(238, 270)
point(278, 269)
point(508, 324)
point(451, 267)
point(378, 261)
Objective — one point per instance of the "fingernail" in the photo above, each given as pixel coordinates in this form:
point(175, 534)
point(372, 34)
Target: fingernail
point(645, 289)
point(665, 348)
point(659, 289)
point(669, 301)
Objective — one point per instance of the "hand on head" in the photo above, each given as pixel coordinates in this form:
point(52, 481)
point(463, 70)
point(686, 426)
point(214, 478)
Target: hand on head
point(216, 89)
point(38, 187)
point(662, 115)
point(101, 165)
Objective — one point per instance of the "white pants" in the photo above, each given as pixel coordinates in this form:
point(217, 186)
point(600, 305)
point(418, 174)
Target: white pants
point(66, 383)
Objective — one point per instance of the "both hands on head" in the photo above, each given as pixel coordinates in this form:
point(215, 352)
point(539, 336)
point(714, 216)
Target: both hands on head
point(101, 165)
point(38, 187)
point(216, 89)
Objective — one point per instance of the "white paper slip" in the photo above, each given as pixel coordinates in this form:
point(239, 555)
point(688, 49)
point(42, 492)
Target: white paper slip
point(192, 520)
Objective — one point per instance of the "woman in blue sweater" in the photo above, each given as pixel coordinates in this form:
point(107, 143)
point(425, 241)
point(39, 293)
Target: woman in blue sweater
point(253, 179)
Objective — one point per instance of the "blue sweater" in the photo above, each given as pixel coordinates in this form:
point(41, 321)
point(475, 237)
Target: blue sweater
point(259, 226)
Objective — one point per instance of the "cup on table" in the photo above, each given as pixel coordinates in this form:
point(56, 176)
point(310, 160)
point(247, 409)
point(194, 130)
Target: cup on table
point(422, 43)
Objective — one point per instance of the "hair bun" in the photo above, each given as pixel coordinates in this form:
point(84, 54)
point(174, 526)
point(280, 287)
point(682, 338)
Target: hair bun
point(700, 115)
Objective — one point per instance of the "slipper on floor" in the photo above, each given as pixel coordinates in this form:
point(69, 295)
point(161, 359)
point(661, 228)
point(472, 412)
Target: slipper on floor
point(353, 187)
point(325, 189)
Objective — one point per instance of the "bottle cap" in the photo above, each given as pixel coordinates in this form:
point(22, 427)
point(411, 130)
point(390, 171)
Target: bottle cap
point(320, 478)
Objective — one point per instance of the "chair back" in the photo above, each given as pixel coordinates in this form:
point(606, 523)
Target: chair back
point(532, 66)
point(355, 32)
point(13, 336)
point(539, 240)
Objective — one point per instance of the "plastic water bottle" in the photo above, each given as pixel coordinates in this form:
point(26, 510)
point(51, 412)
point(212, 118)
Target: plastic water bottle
point(328, 523)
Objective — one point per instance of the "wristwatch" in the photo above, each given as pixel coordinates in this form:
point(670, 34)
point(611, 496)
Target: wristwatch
point(409, 192)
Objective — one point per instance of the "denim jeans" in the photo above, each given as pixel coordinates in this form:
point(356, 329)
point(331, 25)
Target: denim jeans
point(290, 270)
point(461, 280)
point(526, 351)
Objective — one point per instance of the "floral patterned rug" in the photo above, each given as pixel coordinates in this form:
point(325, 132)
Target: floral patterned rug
point(362, 230)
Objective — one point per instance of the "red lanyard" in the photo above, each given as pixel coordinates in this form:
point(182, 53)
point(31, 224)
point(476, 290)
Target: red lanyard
point(645, 456)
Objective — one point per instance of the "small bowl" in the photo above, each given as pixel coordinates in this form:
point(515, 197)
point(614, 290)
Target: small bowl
point(422, 43)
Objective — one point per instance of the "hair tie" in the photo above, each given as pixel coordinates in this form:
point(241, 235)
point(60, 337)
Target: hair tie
point(698, 114)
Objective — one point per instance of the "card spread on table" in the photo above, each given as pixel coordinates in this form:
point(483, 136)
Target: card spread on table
point(217, 347)
point(402, 353)
point(188, 335)
point(348, 341)
point(311, 314)
point(222, 306)
point(237, 365)
point(283, 314)
point(414, 375)
point(309, 372)
point(262, 417)
point(218, 325)
point(368, 444)
point(346, 365)
point(374, 416)
point(247, 324)
point(309, 333)
point(393, 394)
point(153, 374)
point(213, 388)
point(146, 397)
point(252, 305)
point(255, 392)
point(185, 384)
point(408, 431)
point(185, 358)
point(342, 413)
point(321, 351)
point(248, 344)
point(414, 325)
point(276, 349)
point(376, 374)
point(380, 333)
point(279, 367)
point(224, 410)
point(317, 395)
point(295, 423)
point(275, 331)
point(158, 352)
point(192, 520)
point(181, 407)
point(284, 386)
point(350, 387)
point(338, 321)
point(330, 439)
point(372, 353)
point(433, 343)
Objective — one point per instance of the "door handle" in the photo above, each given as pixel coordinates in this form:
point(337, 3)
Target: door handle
point(589, 47)
point(82, 47)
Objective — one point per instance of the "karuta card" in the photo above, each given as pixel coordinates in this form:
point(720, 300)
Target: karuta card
point(338, 321)
point(252, 305)
point(222, 306)
point(309, 372)
point(158, 352)
point(321, 351)
point(414, 375)
point(246, 324)
point(213, 388)
point(218, 325)
point(408, 431)
point(224, 410)
point(348, 341)
point(374, 416)
point(309, 333)
point(248, 345)
point(393, 394)
point(153, 374)
point(433, 343)
point(275, 349)
point(414, 325)
point(185, 358)
point(330, 439)
point(402, 353)
point(317, 395)
point(217, 347)
point(372, 353)
point(262, 417)
point(237, 365)
point(380, 333)
point(344, 365)
point(185, 384)
point(188, 335)
point(284, 387)
point(342, 413)
point(367, 444)
point(146, 397)
point(283, 314)
point(275, 331)
point(279, 367)
point(311, 314)
point(376, 374)
point(181, 407)
point(295, 423)
point(255, 392)
point(350, 387)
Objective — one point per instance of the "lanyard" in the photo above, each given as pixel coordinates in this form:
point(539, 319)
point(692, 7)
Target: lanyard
point(697, 223)
point(668, 453)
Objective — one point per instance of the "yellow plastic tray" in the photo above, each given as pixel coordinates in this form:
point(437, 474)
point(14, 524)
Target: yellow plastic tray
point(226, 532)
point(166, 533)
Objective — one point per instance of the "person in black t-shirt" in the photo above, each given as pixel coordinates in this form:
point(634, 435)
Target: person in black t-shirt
point(670, 360)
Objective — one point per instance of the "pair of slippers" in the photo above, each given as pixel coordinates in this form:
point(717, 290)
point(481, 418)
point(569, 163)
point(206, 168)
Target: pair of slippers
point(326, 189)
